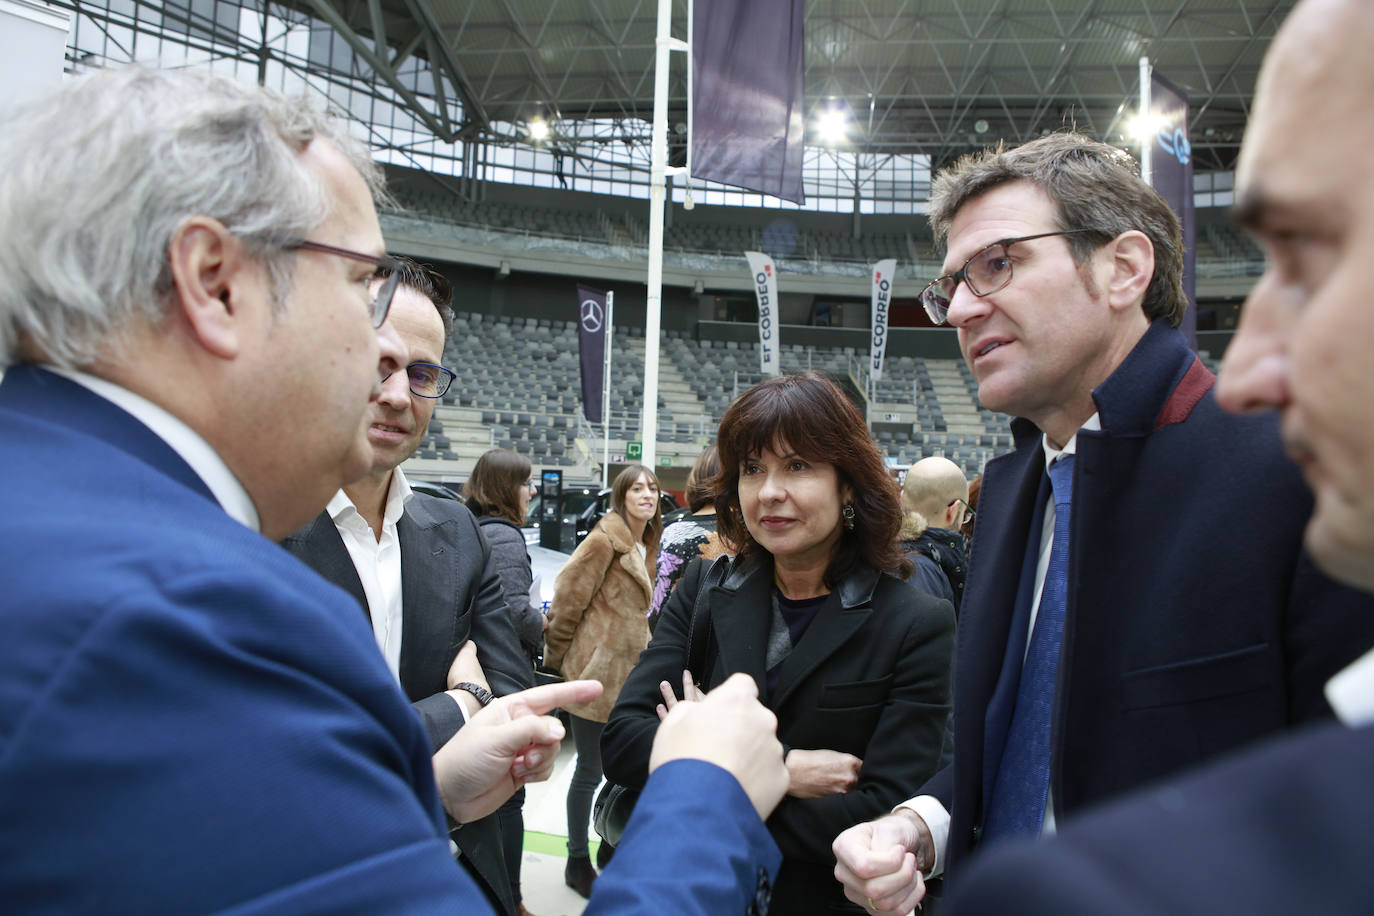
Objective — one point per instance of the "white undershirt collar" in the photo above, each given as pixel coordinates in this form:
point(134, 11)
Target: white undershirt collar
point(182, 439)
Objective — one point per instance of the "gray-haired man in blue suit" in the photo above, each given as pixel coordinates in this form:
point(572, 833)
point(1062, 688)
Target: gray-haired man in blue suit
point(190, 719)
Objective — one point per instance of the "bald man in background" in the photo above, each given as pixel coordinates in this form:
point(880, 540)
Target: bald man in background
point(935, 490)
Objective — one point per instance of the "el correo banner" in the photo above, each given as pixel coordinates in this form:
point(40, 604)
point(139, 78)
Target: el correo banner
point(766, 291)
point(882, 298)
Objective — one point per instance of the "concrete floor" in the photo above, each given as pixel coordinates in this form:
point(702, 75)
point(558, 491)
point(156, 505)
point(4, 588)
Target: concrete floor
point(546, 834)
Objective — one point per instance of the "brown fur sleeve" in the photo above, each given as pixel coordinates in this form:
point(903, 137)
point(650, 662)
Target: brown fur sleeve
point(573, 590)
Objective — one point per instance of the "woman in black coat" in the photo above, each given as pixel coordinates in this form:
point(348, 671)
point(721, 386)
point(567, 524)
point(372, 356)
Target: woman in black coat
point(854, 662)
point(498, 493)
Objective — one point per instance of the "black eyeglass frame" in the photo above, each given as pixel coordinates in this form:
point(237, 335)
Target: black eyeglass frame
point(448, 375)
point(381, 303)
point(938, 313)
point(969, 514)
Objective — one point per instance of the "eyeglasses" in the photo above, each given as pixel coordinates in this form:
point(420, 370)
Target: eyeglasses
point(381, 304)
point(985, 273)
point(427, 380)
point(968, 510)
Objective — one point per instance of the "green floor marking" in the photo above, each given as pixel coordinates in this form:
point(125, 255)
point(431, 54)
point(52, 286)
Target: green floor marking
point(551, 844)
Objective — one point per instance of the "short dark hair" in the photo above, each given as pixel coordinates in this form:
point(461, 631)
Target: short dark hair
point(1094, 186)
point(426, 280)
point(813, 417)
point(698, 491)
point(623, 481)
point(494, 485)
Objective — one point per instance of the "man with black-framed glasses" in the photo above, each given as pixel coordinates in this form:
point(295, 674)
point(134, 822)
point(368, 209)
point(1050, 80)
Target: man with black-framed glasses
point(417, 564)
point(1139, 599)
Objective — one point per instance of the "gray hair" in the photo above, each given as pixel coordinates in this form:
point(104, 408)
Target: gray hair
point(1094, 186)
point(98, 174)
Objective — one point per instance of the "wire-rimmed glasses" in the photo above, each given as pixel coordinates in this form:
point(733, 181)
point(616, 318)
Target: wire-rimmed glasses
point(381, 303)
point(987, 271)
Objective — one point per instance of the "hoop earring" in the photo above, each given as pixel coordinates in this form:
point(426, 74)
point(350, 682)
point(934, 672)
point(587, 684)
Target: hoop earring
point(848, 513)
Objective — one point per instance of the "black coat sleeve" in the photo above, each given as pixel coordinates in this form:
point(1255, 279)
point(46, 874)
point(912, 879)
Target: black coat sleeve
point(628, 737)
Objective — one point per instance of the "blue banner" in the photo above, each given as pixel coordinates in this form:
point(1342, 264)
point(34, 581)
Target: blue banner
point(746, 106)
point(1171, 172)
point(593, 324)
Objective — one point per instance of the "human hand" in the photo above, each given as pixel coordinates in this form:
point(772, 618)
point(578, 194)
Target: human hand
point(730, 728)
point(467, 668)
point(821, 772)
point(691, 693)
point(502, 747)
point(880, 863)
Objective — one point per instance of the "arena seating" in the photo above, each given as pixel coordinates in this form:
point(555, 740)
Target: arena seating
point(519, 386)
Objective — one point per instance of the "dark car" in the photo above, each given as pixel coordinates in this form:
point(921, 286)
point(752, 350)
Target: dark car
point(589, 516)
point(443, 491)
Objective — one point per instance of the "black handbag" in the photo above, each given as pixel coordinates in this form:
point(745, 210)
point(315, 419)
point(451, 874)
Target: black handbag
point(615, 803)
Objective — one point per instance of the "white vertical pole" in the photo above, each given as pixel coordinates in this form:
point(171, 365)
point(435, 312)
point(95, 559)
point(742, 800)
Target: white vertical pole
point(1146, 142)
point(658, 164)
point(606, 393)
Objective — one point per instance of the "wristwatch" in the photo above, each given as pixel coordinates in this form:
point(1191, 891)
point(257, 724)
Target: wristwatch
point(483, 695)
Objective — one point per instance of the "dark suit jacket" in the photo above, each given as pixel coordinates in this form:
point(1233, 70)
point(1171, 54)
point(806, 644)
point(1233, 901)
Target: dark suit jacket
point(869, 677)
point(1277, 830)
point(192, 721)
point(450, 593)
point(1195, 622)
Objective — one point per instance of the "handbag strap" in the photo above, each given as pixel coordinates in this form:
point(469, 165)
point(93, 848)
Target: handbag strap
point(699, 630)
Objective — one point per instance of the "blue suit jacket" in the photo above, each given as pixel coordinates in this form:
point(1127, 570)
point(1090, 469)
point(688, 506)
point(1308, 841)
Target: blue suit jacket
point(1195, 622)
point(1281, 829)
point(192, 721)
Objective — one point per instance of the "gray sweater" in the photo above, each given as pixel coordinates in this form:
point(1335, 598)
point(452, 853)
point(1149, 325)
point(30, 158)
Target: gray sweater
point(512, 563)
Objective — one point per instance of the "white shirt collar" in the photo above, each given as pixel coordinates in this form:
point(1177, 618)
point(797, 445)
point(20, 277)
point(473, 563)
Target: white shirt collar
point(398, 493)
point(1351, 692)
point(182, 439)
point(1071, 447)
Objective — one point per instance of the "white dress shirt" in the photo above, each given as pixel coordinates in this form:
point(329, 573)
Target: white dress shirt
point(928, 806)
point(378, 562)
point(182, 439)
point(1351, 692)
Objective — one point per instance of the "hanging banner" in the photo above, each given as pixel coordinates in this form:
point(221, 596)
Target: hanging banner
point(882, 297)
point(1171, 163)
point(745, 108)
point(592, 328)
point(766, 291)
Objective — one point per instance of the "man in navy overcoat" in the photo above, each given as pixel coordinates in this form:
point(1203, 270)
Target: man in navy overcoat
point(1284, 828)
point(1190, 622)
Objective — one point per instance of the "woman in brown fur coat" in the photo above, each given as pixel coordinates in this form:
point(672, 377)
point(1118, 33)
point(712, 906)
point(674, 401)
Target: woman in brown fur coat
point(597, 628)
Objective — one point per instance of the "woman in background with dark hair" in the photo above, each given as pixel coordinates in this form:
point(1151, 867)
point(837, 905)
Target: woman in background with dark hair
point(498, 493)
point(691, 537)
point(854, 662)
point(597, 627)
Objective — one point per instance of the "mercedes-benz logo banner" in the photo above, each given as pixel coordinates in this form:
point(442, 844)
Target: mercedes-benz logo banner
point(592, 327)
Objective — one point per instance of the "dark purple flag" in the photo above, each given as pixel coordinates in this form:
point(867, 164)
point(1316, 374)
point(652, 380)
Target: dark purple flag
point(746, 106)
point(1171, 163)
point(592, 327)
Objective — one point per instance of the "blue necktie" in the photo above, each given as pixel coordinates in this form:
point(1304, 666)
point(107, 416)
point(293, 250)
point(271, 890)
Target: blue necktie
point(1017, 806)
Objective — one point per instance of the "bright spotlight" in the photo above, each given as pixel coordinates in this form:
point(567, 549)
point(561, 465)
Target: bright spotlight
point(833, 125)
point(539, 129)
point(1145, 126)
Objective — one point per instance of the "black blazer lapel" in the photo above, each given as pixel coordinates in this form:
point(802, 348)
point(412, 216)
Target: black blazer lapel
point(739, 609)
point(429, 602)
point(320, 546)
